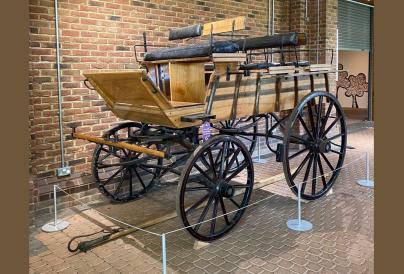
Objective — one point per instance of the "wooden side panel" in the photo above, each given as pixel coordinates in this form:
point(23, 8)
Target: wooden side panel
point(319, 82)
point(268, 101)
point(187, 82)
point(224, 25)
point(224, 97)
point(145, 114)
point(174, 115)
point(131, 88)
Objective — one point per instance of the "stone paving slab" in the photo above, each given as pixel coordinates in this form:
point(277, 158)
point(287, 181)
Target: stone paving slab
point(342, 240)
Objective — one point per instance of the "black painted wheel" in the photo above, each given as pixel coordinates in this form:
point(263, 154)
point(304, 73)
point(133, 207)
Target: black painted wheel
point(123, 175)
point(314, 145)
point(209, 186)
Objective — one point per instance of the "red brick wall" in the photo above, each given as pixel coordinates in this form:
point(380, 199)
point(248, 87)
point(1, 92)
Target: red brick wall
point(97, 34)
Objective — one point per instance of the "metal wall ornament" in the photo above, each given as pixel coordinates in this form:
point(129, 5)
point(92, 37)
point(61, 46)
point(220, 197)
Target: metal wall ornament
point(355, 86)
point(342, 81)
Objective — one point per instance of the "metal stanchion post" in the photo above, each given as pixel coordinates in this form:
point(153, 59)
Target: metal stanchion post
point(163, 252)
point(258, 159)
point(56, 225)
point(299, 224)
point(366, 182)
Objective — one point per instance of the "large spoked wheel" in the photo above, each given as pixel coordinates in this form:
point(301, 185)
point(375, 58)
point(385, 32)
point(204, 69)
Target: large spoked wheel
point(245, 129)
point(123, 175)
point(210, 186)
point(314, 145)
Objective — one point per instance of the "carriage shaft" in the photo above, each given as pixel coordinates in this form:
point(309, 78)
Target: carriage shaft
point(122, 145)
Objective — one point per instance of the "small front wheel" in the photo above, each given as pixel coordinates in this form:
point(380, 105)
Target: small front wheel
point(213, 184)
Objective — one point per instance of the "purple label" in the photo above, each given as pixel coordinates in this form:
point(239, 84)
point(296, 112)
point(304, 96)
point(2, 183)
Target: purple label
point(206, 131)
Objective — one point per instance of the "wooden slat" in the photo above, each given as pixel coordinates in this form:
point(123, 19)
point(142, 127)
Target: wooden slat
point(296, 82)
point(281, 70)
point(224, 25)
point(226, 59)
point(278, 86)
point(194, 59)
point(301, 40)
point(319, 67)
point(229, 55)
point(178, 104)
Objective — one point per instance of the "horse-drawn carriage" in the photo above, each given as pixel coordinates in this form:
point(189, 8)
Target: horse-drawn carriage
point(197, 112)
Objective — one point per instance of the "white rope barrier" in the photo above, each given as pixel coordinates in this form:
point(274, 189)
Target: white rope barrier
point(296, 224)
point(208, 220)
point(109, 217)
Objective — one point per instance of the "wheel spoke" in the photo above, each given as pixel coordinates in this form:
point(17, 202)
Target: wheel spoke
point(300, 167)
point(113, 176)
point(337, 152)
point(235, 155)
point(122, 179)
point(238, 122)
point(103, 158)
point(203, 173)
point(204, 212)
point(218, 157)
point(139, 177)
point(212, 163)
point(314, 179)
point(298, 153)
point(301, 140)
point(130, 183)
point(320, 102)
point(306, 175)
point(145, 169)
point(197, 188)
point(225, 148)
point(320, 167)
point(327, 161)
point(198, 203)
point(235, 173)
point(241, 186)
point(311, 116)
point(305, 126)
point(336, 136)
point(327, 115)
point(214, 215)
point(234, 202)
point(331, 126)
point(224, 210)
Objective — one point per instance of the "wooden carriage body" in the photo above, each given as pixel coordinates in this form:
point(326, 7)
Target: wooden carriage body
point(209, 79)
point(136, 96)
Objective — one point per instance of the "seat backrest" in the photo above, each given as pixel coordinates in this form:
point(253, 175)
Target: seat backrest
point(185, 32)
point(226, 25)
point(270, 41)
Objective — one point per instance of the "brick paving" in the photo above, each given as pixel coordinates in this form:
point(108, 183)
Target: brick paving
point(341, 241)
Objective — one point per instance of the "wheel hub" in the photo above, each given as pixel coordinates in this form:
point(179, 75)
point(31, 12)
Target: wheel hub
point(225, 190)
point(325, 146)
point(322, 146)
